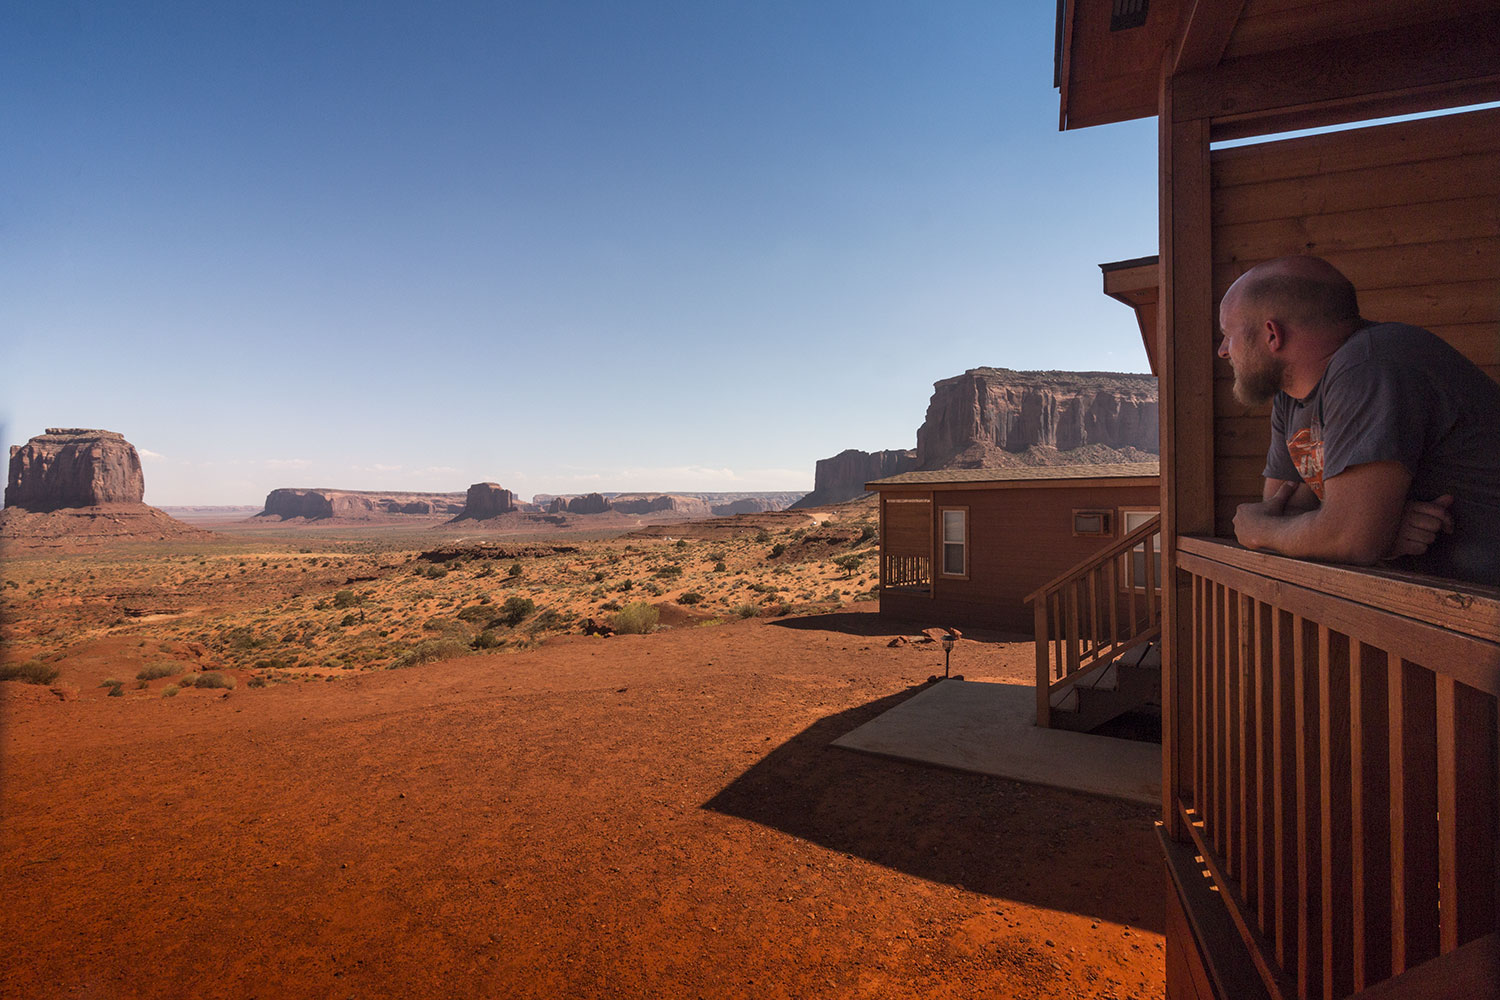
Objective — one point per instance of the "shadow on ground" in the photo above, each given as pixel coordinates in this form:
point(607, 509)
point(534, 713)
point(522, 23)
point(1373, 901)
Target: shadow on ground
point(1045, 847)
point(864, 623)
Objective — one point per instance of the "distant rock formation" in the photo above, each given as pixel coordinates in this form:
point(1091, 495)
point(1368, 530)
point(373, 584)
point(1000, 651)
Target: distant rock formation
point(319, 504)
point(73, 487)
point(592, 503)
point(650, 503)
point(486, 500)
point(74, 467)
point(843, 476)
point(993, 416)
point(755, 505)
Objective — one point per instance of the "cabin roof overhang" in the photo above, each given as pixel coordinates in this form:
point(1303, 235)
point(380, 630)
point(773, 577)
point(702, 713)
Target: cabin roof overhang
point(1258, 66)
point(1137, 283)
point(1119, 474)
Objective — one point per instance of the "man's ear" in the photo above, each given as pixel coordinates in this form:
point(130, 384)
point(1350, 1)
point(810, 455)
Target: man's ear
point(1274, 332)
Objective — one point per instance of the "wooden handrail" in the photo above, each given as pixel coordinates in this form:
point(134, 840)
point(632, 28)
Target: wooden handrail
point(1098, 610)
point(1130, 541)
point(1343, 779)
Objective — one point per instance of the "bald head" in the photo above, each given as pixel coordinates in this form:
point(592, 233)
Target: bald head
point(1305, 292)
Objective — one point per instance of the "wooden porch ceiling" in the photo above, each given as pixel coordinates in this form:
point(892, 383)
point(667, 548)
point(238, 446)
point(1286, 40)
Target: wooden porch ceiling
point(1270, 55)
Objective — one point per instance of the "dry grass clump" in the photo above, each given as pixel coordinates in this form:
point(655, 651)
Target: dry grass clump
point(636, 618)
point(30, 672)
point(214, 679)
point(430, 650)
point(156, 671)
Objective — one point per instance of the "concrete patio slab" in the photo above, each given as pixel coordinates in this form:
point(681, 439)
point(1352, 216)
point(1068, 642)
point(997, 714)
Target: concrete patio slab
point(990, 728)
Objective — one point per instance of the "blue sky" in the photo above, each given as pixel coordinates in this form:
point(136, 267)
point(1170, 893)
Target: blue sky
point(559, 245)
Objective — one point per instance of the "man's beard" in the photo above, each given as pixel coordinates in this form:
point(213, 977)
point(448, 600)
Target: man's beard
point(1258, 381)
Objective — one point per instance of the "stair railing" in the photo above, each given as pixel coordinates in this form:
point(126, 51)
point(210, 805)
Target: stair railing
point(1097, 611)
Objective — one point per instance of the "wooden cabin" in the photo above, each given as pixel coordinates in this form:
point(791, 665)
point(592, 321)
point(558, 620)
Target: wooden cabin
point(966, 547)
point(1331, 750)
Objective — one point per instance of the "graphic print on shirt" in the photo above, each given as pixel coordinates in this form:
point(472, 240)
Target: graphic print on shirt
point(1306, 449)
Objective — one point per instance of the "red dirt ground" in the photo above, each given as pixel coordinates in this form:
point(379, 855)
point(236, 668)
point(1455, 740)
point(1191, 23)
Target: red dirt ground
point(639, 816)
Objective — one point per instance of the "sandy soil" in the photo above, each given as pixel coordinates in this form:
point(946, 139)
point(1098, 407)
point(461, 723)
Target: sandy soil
point(626, 817)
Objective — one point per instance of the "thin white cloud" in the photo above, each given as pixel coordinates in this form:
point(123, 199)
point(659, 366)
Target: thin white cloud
point(150, 456)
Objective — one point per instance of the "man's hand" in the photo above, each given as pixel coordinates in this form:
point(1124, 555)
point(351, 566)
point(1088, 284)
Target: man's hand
point(1250, 520)
point(1421, 522)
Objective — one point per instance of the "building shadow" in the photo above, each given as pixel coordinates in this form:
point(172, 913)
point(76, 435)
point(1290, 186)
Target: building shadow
point(874, 626)
point(1027, 843)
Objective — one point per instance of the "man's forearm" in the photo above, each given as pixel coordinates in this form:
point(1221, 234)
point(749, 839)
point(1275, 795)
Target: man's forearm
point(1311, 534)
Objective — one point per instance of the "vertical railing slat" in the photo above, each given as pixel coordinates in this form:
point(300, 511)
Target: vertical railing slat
point(1309, 837)
point(1412, 704)
point(1333, 750)
point(1369, 781)
point(1284, 763)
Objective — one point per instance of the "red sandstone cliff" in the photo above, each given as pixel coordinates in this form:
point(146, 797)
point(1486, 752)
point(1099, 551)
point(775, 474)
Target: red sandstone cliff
point(317, 504)
point(74, 467)
point(843, 476)
point(993, 416)
point(486, 500)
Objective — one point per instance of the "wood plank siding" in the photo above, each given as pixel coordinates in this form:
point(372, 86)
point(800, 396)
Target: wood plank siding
point(1409, 211)
point(1020, 535)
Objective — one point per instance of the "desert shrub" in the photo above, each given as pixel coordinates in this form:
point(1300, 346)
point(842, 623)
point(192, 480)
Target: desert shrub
point(170, 691)
point(599, 577)
point(487, 571)
point(118, 691)
point(610, 606)
point(777, 550)
point(110, 682)
point(669, 571)
point(719, 567)
point(691, 597)
point(782, 610)
point(188, 680)
point(429, 650)
point(747, 610)
point(30, 672)
point(636, 618)
point(625, 585)
point(257, 681)
point(866, 532)
point(653, 588)
point(849, 564)
point(487, 640)
point(515, 610)
point(514, 571)
point(476, 613)
point(682, 543)
point(345, 599)
point(762, 536)
point(551, 620)
point(272, 663)
point(215, 679)
point(352, 618)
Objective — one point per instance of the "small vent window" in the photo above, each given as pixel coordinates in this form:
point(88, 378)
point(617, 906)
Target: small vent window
point(1127, 14)
point(1093, 523)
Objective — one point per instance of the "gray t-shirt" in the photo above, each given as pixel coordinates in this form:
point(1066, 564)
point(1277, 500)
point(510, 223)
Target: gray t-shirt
point(1399, 393)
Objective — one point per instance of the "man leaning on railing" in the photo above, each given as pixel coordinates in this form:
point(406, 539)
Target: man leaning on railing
point(1385, 440)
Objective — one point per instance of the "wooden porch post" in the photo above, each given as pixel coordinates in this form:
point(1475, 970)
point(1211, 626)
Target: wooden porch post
point(1186, 325)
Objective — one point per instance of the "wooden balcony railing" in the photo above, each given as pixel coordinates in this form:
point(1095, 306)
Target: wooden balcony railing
point(1096, 611)
point(906, 571)
point(1342, 755)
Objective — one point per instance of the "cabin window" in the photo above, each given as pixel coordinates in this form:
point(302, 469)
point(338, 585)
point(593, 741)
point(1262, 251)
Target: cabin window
point(1093, 523)
point(955, 522)
point(1125, 14)
point(1132, 519)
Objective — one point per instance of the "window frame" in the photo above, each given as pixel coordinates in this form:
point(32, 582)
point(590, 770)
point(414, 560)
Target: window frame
point(1107, 514)
point(943, 543)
